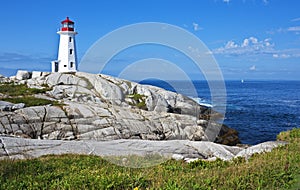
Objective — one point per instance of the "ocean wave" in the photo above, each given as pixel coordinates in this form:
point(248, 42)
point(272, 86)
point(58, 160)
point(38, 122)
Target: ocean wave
point(202, 102)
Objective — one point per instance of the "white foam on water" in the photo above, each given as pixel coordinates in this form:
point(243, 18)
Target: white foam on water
point(201, 102)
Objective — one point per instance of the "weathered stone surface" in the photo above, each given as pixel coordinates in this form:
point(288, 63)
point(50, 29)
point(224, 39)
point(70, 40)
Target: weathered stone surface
point(227, 136)
point(259, 148)
point(3, 79)
point(36, 74)
point(22, 75)
point(20, 148)
point(36, 122)
point(114, 117)
point(100, 107)
point(7, 106)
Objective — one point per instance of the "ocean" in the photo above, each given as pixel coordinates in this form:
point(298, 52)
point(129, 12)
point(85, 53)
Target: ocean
point(258, 110)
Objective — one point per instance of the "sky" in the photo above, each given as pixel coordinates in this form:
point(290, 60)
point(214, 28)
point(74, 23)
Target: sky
point(249, 39)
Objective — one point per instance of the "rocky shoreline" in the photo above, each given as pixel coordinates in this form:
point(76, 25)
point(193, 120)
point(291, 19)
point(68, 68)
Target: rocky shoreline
point(106, 115)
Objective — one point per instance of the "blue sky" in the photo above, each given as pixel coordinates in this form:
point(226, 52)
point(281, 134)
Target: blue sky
point(250, 39)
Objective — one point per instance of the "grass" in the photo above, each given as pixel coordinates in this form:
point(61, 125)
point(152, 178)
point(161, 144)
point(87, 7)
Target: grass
point(20, 93)
point(11, 89)
point(140, 101)
point(279, 169)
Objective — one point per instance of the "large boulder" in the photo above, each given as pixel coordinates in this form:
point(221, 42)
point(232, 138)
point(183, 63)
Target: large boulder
point(22, 75)
point(3, 79)
point(7, 106)
point(228, 136)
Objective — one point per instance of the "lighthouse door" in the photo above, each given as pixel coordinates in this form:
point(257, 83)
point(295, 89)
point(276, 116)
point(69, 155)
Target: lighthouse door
point(56, 67)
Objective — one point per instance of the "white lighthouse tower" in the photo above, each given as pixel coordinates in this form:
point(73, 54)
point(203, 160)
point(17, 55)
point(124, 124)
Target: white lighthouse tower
point(66, 61)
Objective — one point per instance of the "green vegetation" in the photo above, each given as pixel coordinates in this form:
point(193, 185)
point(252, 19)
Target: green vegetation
point(279, 169)
point(20, 93)
point(140, 101)
point(135, 161)
point(11, 89)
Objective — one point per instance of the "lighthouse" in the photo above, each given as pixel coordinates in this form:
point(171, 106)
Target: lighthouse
point(66, 61)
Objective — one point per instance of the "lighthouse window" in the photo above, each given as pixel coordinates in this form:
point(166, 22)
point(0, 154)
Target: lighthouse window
point(71, 51)
point(71, 64)
point(65, 65)
point(70, 39)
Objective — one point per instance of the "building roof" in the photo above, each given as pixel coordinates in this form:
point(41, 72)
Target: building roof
point(67, 20)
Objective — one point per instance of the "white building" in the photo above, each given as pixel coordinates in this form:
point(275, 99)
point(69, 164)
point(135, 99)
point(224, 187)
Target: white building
point(67, 60)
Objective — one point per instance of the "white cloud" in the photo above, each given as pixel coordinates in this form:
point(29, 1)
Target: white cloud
point(295, 19)
point(249, 46)
point(226, 1)
point(287, 53)
point(196, 26)
point(278, 30)
point(282, 55)
point(268, 42)
point(231, 45)
point(252, 68)
point(253, 46)
point(294, 29)
point(245, 43)
point(248, 41)
point(265, 2)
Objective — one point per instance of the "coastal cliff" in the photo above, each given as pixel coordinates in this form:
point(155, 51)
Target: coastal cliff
point(101, 107)
point(39, 110)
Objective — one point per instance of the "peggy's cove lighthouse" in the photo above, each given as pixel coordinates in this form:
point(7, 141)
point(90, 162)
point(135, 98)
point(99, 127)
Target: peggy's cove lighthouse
point(66, 61)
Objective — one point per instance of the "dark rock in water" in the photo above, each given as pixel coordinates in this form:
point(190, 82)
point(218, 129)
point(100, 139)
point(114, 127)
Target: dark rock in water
point(228, 136)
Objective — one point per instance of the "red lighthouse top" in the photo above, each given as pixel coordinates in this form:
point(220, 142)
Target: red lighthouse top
point(67, 25)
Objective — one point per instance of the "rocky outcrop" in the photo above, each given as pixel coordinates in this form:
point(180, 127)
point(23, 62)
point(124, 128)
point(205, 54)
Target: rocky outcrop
point(22, 75)
point(108, 117)
point(3, 79)
point(7, 106)
point(101, 107)
point(20, 148)
point(227, 136)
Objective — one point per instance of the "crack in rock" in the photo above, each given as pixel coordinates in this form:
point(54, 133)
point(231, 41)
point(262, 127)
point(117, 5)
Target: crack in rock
point(3, 147)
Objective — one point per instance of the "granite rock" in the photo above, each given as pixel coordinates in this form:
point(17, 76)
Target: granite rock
point(21, 148)
point(101, 107)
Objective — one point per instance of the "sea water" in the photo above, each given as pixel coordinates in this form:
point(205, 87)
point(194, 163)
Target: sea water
point(258, 110)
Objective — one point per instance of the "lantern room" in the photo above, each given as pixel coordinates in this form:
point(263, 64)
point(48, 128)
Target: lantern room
point(67, 25)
